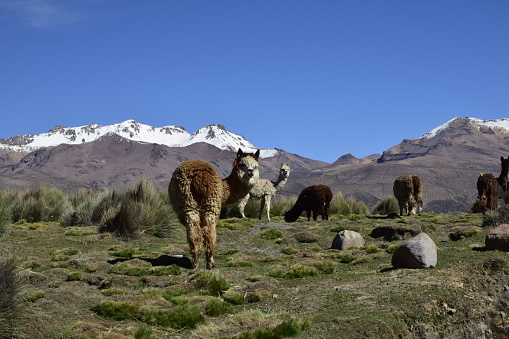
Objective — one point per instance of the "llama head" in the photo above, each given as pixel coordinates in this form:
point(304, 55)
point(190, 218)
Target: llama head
point(504, 163)
point(246, 167)
point(284, 171)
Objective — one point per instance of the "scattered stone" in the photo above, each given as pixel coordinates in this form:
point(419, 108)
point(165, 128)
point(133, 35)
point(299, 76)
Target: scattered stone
point(346, 239)
point(417, 252)
point(498, 238)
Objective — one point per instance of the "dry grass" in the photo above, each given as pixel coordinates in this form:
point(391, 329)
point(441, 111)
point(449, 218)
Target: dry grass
point(272, 280)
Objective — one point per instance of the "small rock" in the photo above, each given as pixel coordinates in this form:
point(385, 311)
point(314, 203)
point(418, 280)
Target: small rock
point(498, 238)
point(417, 252)
point(346, 239)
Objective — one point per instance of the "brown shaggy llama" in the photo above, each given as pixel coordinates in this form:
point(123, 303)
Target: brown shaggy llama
point(197, 194)
point(488, 192)
point(408, 191)
point(503, 178)
point(314, 198)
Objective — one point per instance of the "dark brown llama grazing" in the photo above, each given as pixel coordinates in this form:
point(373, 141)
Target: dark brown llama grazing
point(197, 194)
point(314, 198)
point(408, 191)
point(488, 192)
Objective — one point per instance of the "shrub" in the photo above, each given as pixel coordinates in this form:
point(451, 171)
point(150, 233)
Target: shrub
point(297, 271)
point(216, 307)
point(271, 234)
point(9, 299)
point(84, 202)
point(214, 284)
point(324, 266)
point(387, 206)
point(74, 276)
point(392, 248)
point(279, 206)
point(497, 217)
point(5, 214)
point(142, 210)
point(340, 205)
point(42, 204)
point(187, 315)
point(347, 258)
point(116, 310)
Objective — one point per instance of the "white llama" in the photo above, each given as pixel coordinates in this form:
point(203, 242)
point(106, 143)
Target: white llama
point(264, 190)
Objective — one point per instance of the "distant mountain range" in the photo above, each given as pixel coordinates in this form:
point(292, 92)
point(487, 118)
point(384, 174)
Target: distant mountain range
point(449, 159)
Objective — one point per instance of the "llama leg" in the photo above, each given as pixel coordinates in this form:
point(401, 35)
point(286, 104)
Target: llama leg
point(209, 237)
point(242, 205)
point(194, 236)
point(262, 203)
point(267, 206)
point(308, 212)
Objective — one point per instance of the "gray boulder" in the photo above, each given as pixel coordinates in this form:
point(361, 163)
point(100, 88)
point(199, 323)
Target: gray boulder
point(417, 252)
point(498, 238)
point(346, 239)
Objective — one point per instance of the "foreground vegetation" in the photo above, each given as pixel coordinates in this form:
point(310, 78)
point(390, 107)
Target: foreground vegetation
point(102, 265)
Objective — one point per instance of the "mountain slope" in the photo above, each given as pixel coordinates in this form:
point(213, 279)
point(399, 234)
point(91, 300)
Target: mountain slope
point(172, 136)
point(448, 159)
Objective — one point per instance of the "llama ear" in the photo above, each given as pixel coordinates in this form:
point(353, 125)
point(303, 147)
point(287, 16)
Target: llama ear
point(240, 153)
point(257, 154)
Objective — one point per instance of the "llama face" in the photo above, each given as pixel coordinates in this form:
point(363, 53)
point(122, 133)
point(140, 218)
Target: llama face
point(284, 171)
point(247, 167)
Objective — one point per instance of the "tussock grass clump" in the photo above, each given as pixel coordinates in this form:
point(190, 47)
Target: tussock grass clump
point(340, 205)
point(128, 253)
point(10, 285)
point(387, 206)
point(5, 214)
point(296, 271)
point(42, 204)
point(216, 307)
point(324, 266)
point(186, 315)
point(497, 217)
point(280, 205)
point(211, 282)
point(142, 210)
point(84, 203)
point(271, 234)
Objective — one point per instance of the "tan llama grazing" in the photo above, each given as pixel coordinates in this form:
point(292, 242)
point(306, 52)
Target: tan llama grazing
point(264, 190)
point(197, 194)
point(408, 191)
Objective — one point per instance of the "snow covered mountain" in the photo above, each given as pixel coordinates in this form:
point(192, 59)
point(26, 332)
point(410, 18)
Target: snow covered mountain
point(172, 136)
point(480, 124)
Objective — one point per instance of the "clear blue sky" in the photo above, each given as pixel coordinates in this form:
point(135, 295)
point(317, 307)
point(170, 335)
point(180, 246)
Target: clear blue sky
point(317, 78)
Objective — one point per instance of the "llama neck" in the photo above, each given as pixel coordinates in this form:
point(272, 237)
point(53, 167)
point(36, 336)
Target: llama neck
point(234, 189)
point(280, 183)
point(503, 177)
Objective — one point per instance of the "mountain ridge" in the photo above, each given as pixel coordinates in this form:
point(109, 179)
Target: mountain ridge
point(448, 159)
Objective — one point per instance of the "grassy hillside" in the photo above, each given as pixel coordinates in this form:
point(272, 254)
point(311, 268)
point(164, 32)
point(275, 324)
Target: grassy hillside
point(271, 280)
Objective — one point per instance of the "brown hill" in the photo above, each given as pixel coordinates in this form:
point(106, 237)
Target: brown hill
point(448, 162)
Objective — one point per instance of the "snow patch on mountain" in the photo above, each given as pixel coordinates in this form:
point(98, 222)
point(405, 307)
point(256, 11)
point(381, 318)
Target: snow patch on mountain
point(172, 136)
point(499, 123)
